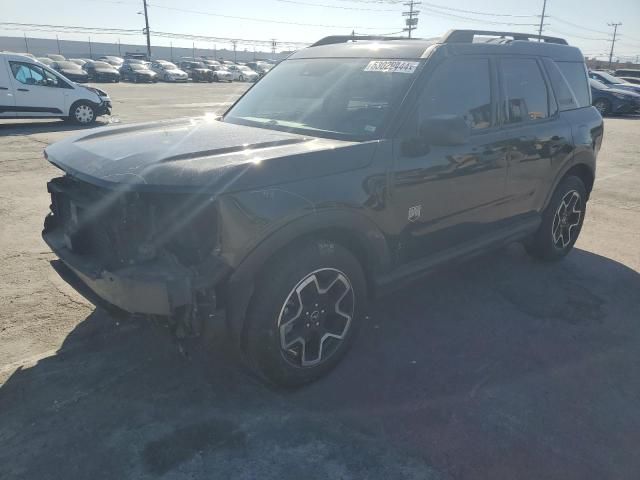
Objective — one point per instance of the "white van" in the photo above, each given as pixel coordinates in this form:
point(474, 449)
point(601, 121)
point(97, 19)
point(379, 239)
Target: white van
point(29, 89)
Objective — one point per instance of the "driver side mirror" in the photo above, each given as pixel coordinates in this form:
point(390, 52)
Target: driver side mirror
point(445, 130)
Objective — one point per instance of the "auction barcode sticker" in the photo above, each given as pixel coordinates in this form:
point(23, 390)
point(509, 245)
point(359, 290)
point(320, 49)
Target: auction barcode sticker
point(391, 66)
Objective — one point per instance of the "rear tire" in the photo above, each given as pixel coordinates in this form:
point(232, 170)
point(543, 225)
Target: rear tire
point(561, 221)
point(305, 313)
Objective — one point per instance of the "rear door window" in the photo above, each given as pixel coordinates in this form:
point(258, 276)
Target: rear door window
point(576, 75)
point(565, 95)
point(525, 91)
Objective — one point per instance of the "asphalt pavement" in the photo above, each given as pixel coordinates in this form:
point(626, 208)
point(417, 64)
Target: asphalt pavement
point(500, 368)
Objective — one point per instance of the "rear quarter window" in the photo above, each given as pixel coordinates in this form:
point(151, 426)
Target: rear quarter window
point(575, 75)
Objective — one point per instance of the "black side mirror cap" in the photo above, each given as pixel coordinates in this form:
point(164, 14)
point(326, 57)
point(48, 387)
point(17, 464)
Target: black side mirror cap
point(445, 130)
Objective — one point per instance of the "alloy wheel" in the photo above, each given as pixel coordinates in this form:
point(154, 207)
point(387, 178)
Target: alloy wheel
point(316, 317)
point(567, 219)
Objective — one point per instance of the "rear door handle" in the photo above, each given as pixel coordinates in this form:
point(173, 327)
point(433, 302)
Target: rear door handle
point(4, 88)
point(23, 89)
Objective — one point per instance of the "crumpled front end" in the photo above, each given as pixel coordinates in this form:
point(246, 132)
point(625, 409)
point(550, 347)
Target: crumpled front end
point(142, 252)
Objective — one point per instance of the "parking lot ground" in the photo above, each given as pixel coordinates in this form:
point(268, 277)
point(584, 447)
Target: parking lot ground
point(499, 368)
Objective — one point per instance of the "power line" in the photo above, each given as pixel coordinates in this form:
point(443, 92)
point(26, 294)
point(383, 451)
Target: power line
point(310, 4)
point(112, 31)
point(433, 5)
point(447, 15)
point(264, 20)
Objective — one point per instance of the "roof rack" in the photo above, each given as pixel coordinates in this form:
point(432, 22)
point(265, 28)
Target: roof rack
point(467, 36)
point(332, 39)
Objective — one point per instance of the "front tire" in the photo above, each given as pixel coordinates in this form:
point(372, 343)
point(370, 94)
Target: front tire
point(305, 313)
point(561, 221)
point(82, 113)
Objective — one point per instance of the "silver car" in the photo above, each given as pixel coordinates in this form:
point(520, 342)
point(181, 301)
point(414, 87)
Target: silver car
point(168, 71)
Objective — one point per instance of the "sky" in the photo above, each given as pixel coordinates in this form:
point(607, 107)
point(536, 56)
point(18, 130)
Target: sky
point(583, 23)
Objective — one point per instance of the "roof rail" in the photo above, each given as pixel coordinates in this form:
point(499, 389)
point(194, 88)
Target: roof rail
point(467, 36)
point(332, 39)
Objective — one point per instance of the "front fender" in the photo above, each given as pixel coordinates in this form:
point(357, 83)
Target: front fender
point(319, 224)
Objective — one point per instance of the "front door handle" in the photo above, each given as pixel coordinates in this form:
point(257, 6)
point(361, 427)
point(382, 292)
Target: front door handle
point(23, 89)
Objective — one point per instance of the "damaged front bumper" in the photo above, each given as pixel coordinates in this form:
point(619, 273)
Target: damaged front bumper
point(157, 287)
point(145, 253)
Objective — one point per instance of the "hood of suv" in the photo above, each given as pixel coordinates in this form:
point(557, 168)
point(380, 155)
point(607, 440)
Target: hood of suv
point(201, 154)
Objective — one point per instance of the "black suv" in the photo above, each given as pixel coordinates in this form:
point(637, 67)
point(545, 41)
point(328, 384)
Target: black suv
point(356, 164)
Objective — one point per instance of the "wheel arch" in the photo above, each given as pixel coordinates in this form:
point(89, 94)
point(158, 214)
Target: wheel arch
point(75, 103)
point(353, 231)
point(583, 167)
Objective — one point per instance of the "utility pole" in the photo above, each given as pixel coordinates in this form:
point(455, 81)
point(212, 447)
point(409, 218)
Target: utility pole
point(544, 9)
point(58, 42)
point(235, 56)
point(90, 53)
point(412, 20)
point(146, 29)
point(613, 42)
point(119, 52)
point(171, 50)
point(26, 44)
point(273, 46)
point(193, 50)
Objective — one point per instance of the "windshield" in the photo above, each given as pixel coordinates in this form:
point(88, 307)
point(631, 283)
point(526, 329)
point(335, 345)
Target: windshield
point(101, 65)
point(598, 85)
point(336, 97)
point(68, 65)
point(138, 66)
point(168, 66)
point(245, 69)
point(610, 78)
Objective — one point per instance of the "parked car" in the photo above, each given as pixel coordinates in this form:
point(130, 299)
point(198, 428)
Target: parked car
point(71, 70)
point(101, 72)
point(136, 55)
point(78, 61)
point(45, 61)
point(168, 71)
point(613, 82)
point(221, 74)
point(349, 170)
point(259, 67)
point(627, 72)
point(634, 80)
point(613, 100)
point(243, 73)
point(197, 71)
point(30, 89)
point(138, 72)
point(112, 60)
point(210, 63)
point(56, 58)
